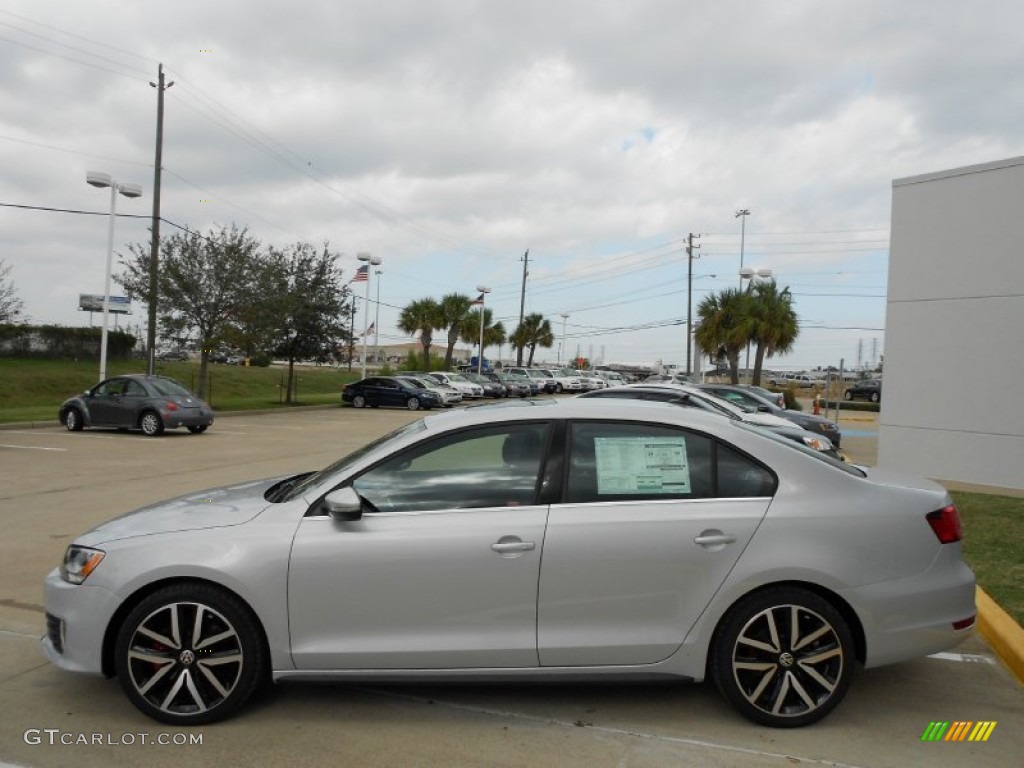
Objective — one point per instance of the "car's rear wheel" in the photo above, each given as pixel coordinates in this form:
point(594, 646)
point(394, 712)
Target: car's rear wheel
point(413, 403)
point(73, 420)
point(848, 395)
point(783, 657)
point(190, 654)
point(151, 424)
point(198, 429)
point(358, 401)
point(874, 397)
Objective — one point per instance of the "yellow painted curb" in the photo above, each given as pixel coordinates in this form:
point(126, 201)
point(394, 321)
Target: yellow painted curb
point(1003, 633)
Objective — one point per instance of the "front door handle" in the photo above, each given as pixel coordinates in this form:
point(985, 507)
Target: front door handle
point(713, 539)
point(511, 545)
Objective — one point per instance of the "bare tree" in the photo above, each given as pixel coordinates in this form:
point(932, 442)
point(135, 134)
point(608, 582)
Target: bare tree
point(10, 304)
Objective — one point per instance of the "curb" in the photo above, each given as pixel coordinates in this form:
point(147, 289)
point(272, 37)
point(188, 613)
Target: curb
point(1003, 633)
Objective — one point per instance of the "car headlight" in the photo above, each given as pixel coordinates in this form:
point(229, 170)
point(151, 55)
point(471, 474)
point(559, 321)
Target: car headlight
point(818, 443)
point(79, 562)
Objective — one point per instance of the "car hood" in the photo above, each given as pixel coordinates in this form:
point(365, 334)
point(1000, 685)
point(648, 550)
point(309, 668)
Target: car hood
point(766, 420)
point(215, 508)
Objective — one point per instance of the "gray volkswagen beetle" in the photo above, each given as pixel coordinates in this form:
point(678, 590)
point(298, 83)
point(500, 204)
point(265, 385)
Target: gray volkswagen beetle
point(137, 401)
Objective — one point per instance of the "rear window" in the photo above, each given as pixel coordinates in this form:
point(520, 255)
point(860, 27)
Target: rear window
point(807, 451)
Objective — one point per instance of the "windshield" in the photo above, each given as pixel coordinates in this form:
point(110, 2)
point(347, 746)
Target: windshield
point(310, 481)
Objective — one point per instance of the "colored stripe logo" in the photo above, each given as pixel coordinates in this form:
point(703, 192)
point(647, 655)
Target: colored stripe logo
point(959, 730)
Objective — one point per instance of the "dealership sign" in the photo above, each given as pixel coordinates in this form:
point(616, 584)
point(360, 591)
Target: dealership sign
point(93, 302)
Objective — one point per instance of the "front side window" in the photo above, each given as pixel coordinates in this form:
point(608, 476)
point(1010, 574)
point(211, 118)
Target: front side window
point(493, 466)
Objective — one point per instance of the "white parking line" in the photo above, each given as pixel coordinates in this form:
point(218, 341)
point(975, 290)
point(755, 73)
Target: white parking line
point(30, 447)
point(80, 436)
point(971, 658)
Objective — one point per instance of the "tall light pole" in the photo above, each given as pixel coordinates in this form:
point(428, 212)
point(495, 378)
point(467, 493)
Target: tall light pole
point(376, 321)
point(374, 261)
point(742, 214)
point(565, 317)
point(154, 247)
point(484, 290)
point(102, 180)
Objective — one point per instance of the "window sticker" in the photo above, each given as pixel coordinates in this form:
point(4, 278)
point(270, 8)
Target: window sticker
point(643, 465)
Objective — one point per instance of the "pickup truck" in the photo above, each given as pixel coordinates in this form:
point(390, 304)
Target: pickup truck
point(795, 380)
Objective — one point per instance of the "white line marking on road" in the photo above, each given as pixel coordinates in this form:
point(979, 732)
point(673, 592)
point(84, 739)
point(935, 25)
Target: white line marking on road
point(30, 447)
point(20, 634)
point(971, 658)
point(82, 436)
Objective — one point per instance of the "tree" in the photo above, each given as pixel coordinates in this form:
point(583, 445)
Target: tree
point(724, 326)
point(10, 304)
point(203, 285)
point(494, 332)
point(454, 308)
point(299, 305)
point(773, 326)
point(533, 332)
point(421, 316)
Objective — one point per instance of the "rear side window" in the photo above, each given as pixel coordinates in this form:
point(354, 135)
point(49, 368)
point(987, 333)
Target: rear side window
point(615, 461)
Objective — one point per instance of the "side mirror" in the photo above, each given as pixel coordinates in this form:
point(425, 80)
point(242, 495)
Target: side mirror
point(344, 504)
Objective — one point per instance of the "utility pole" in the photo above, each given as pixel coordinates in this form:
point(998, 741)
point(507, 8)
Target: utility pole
point(690, 247)
point(154, 248)
point(522, 305)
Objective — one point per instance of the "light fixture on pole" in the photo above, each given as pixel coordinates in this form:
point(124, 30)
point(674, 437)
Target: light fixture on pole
point(484, 290)
point(373, 261)
point(742, 214)
point(103, 180)
point(561, 346)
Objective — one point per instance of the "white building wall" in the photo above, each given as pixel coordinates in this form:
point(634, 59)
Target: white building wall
point(956, 306)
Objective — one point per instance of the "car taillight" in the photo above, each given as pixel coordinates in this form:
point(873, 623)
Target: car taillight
point(172, 406)
point(945, 523)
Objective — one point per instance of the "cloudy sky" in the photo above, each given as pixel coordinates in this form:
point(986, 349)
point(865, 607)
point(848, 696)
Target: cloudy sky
point(450, 136)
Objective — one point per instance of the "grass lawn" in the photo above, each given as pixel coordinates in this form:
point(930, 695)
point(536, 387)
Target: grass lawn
point(32, 390)
point(994, 546)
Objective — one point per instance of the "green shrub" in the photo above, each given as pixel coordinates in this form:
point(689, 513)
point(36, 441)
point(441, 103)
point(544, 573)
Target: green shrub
point(792, 404)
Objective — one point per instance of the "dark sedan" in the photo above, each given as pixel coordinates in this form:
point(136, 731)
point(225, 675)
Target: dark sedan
point(492, 387)
point(389, 390)
point(751, 398)
point(516, 385)
point(136, 401)
point(866, 390)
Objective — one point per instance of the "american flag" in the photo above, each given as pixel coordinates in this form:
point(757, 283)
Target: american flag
point(372, 330)
point(362, 274)
point(479, 300)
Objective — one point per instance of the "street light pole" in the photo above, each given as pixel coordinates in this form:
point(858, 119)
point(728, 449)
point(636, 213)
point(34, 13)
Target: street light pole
point(376, 321)
point(374, 261)
point(484, 290)
point(102, 180)
point(742, 214)
point(565, 317)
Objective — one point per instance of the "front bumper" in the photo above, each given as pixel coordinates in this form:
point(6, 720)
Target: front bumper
point(77, 616)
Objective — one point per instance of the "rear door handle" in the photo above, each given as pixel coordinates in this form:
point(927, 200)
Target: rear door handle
point(511, 545)
point(715, 538)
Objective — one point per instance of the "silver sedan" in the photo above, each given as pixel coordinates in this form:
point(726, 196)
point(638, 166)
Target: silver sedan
point(577, 539)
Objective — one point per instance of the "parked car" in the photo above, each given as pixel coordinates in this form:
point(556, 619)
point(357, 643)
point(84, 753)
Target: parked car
point(566, 379)
point(795, 380)
point(868, 390)
point(519, 384)
point(137, 401)
point(605, 538)
point(449, 395)
point(751, 399)
point(688, 396)
point(545, 381)
point(591, 380)
point(172, 355)
point(390, 390)
point(469, 389)
point(492, 388)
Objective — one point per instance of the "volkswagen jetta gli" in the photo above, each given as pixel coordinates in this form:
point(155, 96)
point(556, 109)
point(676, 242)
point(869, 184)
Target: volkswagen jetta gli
point(577, 539)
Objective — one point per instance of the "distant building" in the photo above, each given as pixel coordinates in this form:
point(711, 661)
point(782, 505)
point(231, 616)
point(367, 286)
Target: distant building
point(956, 306)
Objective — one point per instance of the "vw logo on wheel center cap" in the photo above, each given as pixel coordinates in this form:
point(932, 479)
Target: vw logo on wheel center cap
point(186, 657)
point(786, 659)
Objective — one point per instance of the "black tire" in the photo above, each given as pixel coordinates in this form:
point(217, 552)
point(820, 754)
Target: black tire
point(73, 420)
point(358, 401)
point(847, 395)
point(151, 424)
point(177, 680)
point(875, 397)
point(413, 403)
point(198, 429)
point(773, 678)
point(558, 389)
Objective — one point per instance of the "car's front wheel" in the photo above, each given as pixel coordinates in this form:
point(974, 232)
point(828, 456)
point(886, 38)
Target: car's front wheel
point(190, 654)
point(413, 403)
point(874, 397)
point(847, 395)
point(783, 657)
point(358, 401)
point(151, 424)
point(198, 429)
point(73, 420)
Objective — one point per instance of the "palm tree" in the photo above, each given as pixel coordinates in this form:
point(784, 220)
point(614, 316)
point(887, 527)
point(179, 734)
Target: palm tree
point(774, 323)
point(494, 332)
point(533, 332)
point(454, 308)
point(724, 324)
point(421, 316)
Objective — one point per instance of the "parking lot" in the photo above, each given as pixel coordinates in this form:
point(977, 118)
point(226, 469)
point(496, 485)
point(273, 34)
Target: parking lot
point(56, 484)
